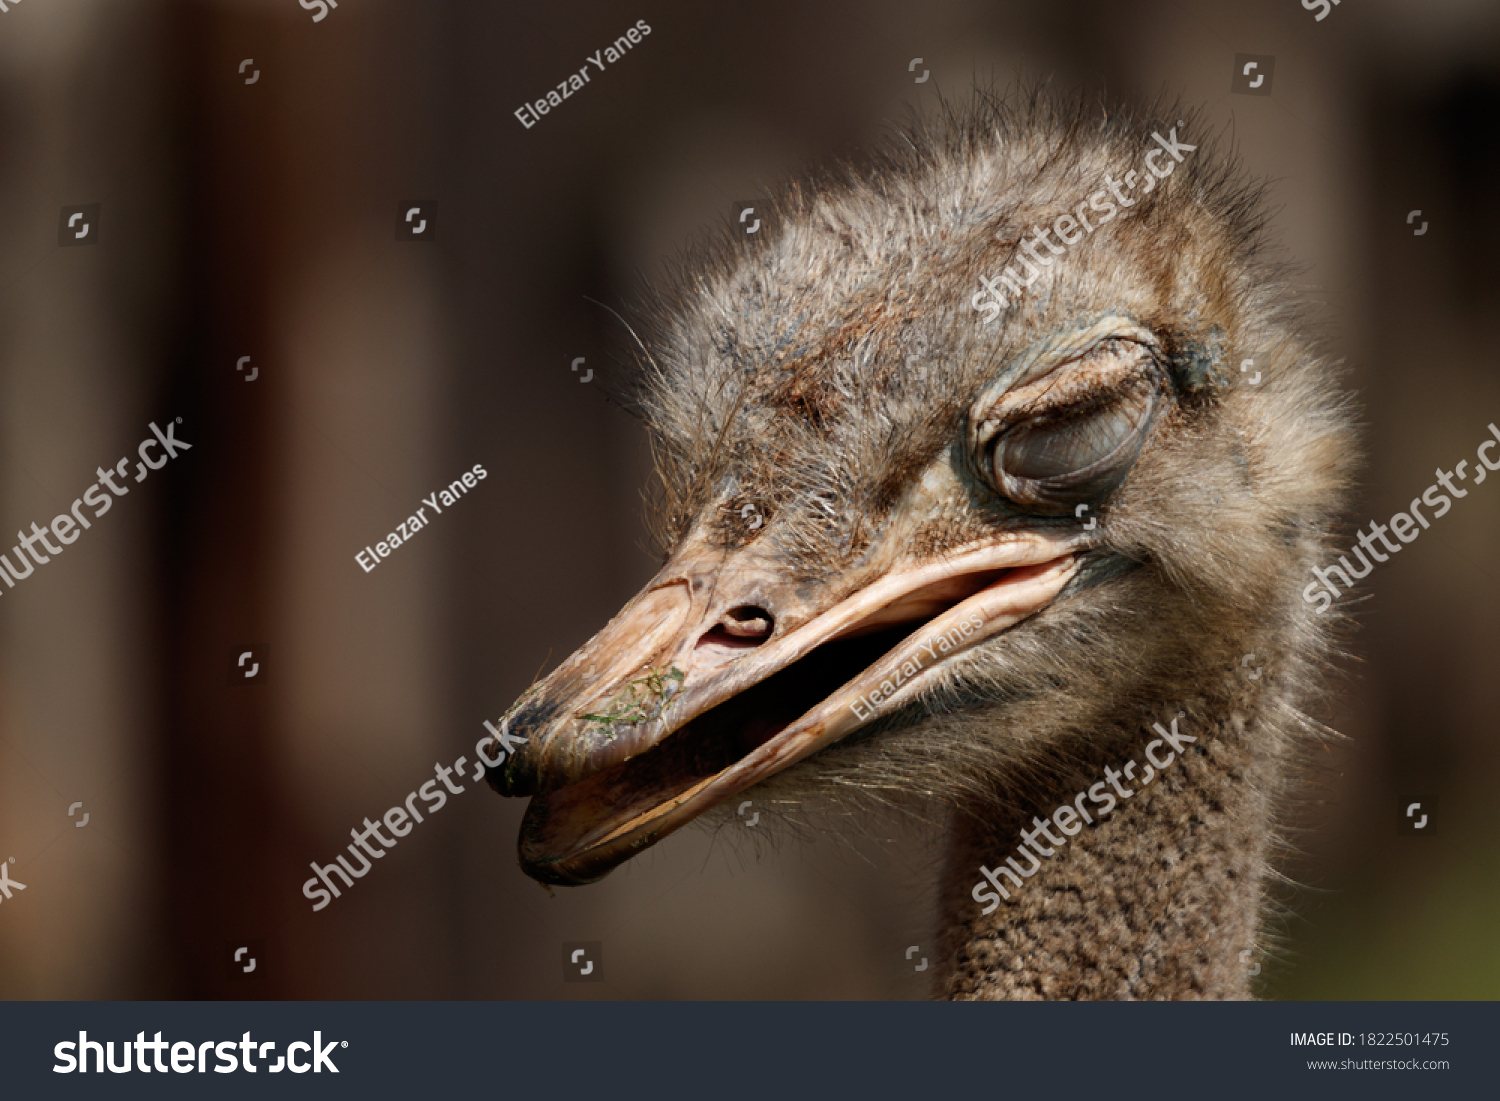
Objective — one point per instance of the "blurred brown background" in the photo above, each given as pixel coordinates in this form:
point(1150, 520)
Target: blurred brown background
point(259, 219)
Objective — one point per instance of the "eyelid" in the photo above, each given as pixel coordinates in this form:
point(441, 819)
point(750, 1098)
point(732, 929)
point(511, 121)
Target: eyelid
point(1136, 408)
point(991, 409)
point(1069, 386)
point(1048, 492)
point(1063, 350)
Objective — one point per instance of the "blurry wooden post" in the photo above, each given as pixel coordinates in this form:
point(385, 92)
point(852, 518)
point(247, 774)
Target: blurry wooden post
point(83, 337)
point(290, 257)
point(223, 817)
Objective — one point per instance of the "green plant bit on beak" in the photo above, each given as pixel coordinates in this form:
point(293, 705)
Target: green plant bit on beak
point(641, 700)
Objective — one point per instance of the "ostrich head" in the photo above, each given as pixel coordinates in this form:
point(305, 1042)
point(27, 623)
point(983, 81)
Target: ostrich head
point(933, 542)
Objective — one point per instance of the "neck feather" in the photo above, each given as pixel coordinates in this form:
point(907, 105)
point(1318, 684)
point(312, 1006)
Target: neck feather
point(1158, 897)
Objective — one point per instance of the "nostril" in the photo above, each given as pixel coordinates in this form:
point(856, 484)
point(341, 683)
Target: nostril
point(742, 626)
point(748, 621)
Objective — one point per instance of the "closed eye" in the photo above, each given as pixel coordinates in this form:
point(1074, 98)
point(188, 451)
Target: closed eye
point(1049, 459)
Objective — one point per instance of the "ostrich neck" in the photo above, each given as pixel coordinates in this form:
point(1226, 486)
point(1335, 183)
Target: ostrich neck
point(1157, 899)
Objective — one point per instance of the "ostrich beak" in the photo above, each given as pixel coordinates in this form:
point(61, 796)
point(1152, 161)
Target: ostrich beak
point(676, 706)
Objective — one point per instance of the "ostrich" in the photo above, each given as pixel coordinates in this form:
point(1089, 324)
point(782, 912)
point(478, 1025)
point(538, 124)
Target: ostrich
point(963, 492)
